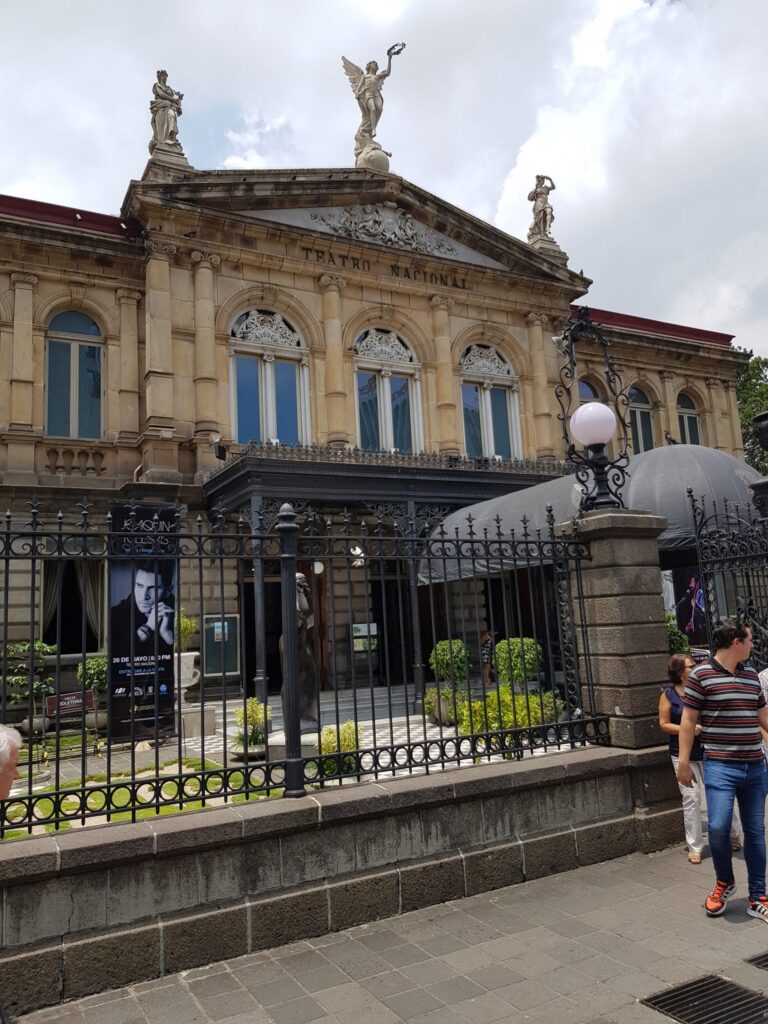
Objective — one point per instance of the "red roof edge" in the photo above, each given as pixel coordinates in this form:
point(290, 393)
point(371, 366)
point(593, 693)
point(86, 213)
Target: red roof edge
point(606, 318)
point(68, 216)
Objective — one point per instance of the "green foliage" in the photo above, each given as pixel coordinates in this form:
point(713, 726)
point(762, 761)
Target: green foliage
point(503, 709)
point(449, 660)
point(752, 398)
point(447, 695)
point(95, 674)
point(20, 658)
point(332, 741)
point(517, 659)
point(676, 638)
point(256, 717)
point(187, 628)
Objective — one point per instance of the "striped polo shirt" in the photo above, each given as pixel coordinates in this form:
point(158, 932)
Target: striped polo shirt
point(727, 703)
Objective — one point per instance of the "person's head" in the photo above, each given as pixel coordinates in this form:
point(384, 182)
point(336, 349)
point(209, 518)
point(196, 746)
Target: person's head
point(694, 582)
point(371, 67)
point(162, 76)
point(10, 745)
point(485, 635)
point(151, 584)
point(679, 667)
point(733, 636)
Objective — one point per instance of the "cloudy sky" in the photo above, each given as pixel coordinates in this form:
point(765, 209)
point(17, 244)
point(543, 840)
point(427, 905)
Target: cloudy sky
point(650, 115)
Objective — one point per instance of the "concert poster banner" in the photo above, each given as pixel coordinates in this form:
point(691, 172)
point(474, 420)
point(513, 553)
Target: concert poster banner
point(142, 620)
point(690, 607)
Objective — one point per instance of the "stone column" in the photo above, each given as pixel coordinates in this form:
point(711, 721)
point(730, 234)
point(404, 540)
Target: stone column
point(542, 396)
point(624, 621)
point(206, 415)
point(128, 413)
point(160, 456)
point(335, 392)
point(22, 362)
point(669, 408)
point(447, 427)
point(716, 439)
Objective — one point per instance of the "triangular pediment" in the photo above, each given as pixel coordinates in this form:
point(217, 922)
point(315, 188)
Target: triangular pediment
point(358, 205)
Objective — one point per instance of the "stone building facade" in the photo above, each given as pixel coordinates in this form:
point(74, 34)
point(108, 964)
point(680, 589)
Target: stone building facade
point(342, 337)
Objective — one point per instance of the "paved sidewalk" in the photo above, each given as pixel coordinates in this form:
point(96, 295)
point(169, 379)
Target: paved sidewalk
point(579, 948)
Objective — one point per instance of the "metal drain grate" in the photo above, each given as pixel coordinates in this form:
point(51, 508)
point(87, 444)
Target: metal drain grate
point(760, 961)
point(711, 1000)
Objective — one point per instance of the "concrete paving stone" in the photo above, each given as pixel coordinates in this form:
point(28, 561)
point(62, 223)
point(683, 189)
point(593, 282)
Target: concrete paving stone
point(412, 1003)
point(749, 976)
point(608, 918)
point(494, 976)
point(483, 1009)
point(571, 927)
point(636, 1013)
point(343, 997)
point(254, 975)
point(273, 993)
point(321, 978)
point(538, 938)
point(215, 985)
point(105, 997)
point(635, 930)
point(602, 967)
point(635, 983)
point(673, 971)
point(262, 1017)
point(708, 959)
point(331, 939)
point(390, 984)
point(441, 944)
point(173, 981)
point(524, 994)
point(570, 952)
point(555, 1011)
point(667, 944)
point(442, 1015)
point(427, 972)
point(204, 972)
point(602, 999)
point(55, 1015)
point(378, 1014)
point(229, 1004)
point(453, 990)
point(464, 960)
point(405, 955)
point(382, 938)
point(122, 1011)
point(534, 964)
point(503, 949)
point(183, 1011)
point(300, 963)
point(635, 955)
point(568, 979)
point(297, 1011)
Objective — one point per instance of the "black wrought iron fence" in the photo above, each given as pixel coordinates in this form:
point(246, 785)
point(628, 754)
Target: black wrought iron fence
point(157, 662)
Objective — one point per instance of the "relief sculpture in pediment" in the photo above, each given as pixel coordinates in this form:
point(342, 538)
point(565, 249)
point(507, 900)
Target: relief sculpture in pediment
point(386, 227)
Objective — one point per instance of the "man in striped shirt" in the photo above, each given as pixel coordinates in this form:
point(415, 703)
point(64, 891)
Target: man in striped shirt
point(726, 699)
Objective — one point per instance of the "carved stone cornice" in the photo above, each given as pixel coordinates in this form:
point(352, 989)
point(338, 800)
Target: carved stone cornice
point(713, 382)
point(441, 302)
point(128, 295)
point(28, 280)
point(159, 250)
point(667, 374)
point(333, 281)
point(203, 258)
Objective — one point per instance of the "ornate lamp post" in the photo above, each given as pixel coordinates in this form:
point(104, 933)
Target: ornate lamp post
point(593, 424)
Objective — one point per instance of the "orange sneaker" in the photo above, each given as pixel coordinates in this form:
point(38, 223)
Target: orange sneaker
point(714, 904)
point(758, 908)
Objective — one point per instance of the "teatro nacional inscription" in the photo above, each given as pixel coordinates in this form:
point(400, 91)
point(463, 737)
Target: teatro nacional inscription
point(329, 258)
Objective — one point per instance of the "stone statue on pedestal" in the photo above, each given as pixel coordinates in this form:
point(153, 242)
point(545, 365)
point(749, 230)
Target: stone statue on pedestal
point(367, 86)
point(305, 620)
point(166, 110)
point(543, 214)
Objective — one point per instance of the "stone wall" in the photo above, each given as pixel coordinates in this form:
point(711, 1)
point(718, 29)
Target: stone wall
point(107, 906)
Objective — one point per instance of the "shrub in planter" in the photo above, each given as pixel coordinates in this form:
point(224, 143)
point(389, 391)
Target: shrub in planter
point(94, 675)
point(332, 741)
point(517, 659)
point(503, 709)
point(20, 659)
point(676, 638)
point(255, 718)
point(446, 698)
point(188, 627)
point(449, 660)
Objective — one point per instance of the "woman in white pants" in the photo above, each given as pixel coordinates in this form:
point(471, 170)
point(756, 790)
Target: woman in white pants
point(670, 713)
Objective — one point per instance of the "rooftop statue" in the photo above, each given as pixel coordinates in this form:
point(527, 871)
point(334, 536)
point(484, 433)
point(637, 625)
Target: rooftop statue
point(543, 214)
point(367, 86)
point(166, 110)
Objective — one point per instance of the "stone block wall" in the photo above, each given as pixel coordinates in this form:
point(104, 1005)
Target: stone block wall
point(107, 906)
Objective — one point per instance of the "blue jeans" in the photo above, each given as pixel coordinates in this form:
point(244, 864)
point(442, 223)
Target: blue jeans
point(744, 781)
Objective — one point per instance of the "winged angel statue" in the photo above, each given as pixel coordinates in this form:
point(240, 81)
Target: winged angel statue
point(367, 86)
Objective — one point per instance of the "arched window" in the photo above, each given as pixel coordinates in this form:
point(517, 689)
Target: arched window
point(587, 392)
point(270, 392)
point(74, 377)
point(489, 398)
point(388, 393)
point(688, 419)
point(640, 421)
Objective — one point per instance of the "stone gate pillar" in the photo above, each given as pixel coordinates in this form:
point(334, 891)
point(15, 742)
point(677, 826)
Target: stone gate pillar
point(624, 621)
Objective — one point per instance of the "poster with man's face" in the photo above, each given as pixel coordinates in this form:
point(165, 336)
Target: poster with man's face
point(690, 606)
point(142, 618)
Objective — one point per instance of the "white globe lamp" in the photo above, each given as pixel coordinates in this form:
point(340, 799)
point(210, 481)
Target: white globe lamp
point(593, 424)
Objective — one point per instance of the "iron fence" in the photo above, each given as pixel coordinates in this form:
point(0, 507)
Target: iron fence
point(332, 647)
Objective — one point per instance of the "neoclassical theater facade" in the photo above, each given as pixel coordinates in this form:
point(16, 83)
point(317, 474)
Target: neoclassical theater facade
point(340, 339)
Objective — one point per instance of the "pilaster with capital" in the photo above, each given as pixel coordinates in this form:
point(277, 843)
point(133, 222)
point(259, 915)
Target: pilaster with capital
point(669, 405)
point(158, 362)
point(542, 393)
point(206, 419)
point(734, 417)
point(714, 389)
point(128, 387)
point(332, 286)
point(22, 361)
point(444, 378)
